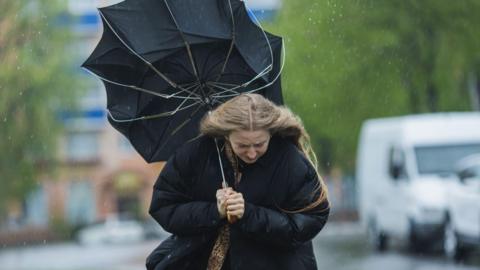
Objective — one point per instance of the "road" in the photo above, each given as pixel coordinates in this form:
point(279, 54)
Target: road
point(344, 247)
point(339, 246)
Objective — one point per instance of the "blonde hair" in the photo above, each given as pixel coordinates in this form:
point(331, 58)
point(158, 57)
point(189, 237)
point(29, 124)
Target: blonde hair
point(254, 112)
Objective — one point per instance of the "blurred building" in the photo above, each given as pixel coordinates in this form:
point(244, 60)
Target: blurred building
point(100, 173)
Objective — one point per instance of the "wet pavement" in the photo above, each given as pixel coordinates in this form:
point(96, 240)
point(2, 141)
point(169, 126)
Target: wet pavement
point(344, 247)
point(339, 246)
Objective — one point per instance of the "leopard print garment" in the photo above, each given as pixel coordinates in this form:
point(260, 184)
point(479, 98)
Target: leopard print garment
point(222, 243)
point(220, 248)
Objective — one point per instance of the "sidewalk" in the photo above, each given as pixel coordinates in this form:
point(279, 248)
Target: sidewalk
point(342, 229)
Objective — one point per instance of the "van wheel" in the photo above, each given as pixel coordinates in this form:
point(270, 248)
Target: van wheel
point(376, 238)
point(415, 244)
point(452, 248)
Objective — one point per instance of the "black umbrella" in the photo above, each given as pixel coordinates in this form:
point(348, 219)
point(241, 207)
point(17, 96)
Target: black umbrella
point(166, 63)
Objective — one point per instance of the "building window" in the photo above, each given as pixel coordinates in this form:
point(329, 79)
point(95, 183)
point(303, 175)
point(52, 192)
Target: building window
point(82, 146)
point(80, 204)
point(36, 209)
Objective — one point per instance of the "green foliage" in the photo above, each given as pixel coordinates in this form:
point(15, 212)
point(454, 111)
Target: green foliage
point(348, 61)
point(36, 80)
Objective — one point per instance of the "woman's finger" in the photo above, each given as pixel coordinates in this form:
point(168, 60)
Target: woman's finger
point(235, 198)
point(235, 201)
point(229, 191)
point(220, 193)
point(235, 207)
point(235, 195)
point(237, 213)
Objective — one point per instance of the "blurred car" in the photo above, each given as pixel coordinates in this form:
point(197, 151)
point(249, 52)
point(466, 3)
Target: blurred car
point(113, 230)
point(462, 229)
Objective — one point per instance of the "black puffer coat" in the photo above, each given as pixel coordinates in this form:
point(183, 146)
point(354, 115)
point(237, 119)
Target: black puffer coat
point(184, 204)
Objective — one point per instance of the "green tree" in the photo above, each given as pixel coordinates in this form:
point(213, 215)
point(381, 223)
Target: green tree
point(36, 80)
point(352, 60)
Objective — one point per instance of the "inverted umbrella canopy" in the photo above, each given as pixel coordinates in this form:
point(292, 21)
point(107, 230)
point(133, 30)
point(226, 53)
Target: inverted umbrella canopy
point(166, 63)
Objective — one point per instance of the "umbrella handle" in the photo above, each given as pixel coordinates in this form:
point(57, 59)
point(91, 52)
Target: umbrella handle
point(231, 219)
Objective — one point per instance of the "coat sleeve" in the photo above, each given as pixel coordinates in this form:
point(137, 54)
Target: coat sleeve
point(172, 205)
point(281, 228)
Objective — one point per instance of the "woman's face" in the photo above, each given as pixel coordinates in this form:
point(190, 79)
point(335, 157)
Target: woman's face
point(249, 146)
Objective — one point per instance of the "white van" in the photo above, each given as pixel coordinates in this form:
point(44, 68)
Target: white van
point(462, 228)
point(405, 167)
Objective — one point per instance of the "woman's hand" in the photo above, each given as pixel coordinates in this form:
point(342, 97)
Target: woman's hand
point(222, 195)
point(235, 205)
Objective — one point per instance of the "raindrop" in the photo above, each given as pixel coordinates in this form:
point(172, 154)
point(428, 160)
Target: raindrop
point(5, 119)
point(20, 93)
point(169, 256)
point(44, 241)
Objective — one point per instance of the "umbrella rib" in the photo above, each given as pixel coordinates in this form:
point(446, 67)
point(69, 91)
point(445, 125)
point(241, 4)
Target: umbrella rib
point(194, 85)
point(219, 96)
point(221, 88)
point(276, 76)
point(150, 65)
point(223, 83)
point(197, 97)
point(265, 71)
point(269, 68)
point(185, 100)
point(187, 46)
point(185, 122)
point(211, 90)
point(188, 85)
point(153, 116)
point(259, 88)
point(182, 67)
point(206, 75)
point(164, 114)
point(224, 181)
point(179, 127)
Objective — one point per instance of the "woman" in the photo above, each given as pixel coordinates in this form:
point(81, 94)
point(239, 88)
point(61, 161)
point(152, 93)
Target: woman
point(275, 204)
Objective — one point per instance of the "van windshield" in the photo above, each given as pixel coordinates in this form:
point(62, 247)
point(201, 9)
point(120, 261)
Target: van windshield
point(441, 159)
